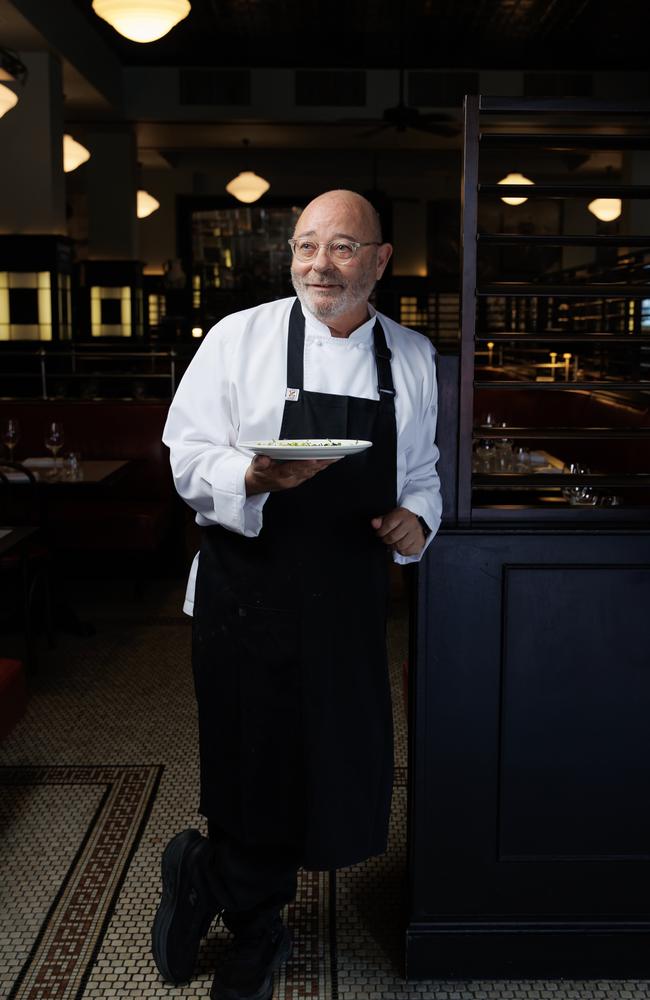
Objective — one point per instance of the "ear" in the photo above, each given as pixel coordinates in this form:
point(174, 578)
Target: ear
point(384, 253)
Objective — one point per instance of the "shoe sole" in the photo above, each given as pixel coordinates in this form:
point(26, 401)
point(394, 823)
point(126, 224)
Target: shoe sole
point(170, 867)
point(265, 991)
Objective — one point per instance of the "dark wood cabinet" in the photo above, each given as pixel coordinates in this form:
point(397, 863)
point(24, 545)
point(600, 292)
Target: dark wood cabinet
point(529, 816)
point(530, 755)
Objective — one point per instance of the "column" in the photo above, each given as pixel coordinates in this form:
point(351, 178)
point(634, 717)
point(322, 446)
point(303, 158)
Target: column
point(111, 184)
point(32, 188)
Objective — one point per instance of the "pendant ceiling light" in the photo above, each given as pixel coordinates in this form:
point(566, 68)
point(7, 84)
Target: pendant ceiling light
point(606, 209)
point(247, 187)
point(146, 204)
point(74, 154)
point(142, 20)
point(12, 70)
point(8, 99)
point(515, 179)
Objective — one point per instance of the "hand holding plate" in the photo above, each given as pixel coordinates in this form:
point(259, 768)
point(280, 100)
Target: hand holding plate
point(264, 475)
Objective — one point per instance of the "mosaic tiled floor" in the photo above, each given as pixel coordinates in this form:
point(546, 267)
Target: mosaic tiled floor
point(118, 703)
point(71, 932)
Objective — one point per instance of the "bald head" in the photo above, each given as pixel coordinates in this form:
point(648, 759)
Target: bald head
point(362, 219)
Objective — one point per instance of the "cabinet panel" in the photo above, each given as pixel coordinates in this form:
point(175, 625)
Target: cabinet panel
point(575, 697)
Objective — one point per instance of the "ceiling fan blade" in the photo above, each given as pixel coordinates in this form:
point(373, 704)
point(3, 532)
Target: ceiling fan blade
point(374, 131)
point(447, 131)
point(434, 117)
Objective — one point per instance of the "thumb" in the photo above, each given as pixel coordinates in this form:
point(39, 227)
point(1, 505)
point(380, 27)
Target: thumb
point(261, 462)
point(376, 522)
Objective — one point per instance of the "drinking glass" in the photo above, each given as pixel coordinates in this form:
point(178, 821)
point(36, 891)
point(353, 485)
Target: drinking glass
point(579, 494)
point(485, 457)
point(73, 468)
point(522, 459)
point(11, 436)
point(54, 438)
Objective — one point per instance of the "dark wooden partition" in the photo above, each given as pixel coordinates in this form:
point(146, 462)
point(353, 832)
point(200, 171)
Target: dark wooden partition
point(530, 756)
point(529, 816)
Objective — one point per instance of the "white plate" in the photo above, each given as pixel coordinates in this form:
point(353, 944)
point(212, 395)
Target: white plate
point(285, 449)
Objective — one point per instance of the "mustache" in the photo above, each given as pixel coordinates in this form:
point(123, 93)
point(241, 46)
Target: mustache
point(324, 280)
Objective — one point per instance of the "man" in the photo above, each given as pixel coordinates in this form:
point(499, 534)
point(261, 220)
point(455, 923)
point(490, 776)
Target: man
point(290, 590)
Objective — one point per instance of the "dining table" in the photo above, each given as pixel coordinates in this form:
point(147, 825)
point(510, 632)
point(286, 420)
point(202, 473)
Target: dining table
point(89, 471)
point(51, 478)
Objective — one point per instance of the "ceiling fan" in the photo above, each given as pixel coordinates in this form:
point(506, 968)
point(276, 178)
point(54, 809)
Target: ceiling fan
point(402, 117)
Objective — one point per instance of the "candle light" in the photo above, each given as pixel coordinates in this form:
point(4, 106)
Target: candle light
point(553, 355)
point(567, 359)
point(490, 347)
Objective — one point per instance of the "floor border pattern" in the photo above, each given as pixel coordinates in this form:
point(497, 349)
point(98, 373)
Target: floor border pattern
point(71, 934)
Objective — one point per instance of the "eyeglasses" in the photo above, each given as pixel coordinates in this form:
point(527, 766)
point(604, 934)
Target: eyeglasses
point(341, 251)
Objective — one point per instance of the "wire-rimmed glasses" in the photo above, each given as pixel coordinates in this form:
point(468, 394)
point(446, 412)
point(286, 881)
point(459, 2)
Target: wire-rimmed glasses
point(341, 251)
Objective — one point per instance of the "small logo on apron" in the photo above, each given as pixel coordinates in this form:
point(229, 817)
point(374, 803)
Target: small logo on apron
point(292, 394)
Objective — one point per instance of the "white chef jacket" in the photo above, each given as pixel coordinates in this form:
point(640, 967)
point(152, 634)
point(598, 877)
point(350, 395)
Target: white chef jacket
point(234, 390)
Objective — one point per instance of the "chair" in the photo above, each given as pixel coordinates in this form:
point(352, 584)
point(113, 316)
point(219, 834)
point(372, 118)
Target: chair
point(25, 572)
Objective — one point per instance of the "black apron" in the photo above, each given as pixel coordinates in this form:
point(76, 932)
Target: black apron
point(289, 650)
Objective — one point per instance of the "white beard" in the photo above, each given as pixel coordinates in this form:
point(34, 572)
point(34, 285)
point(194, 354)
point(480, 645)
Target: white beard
point(335, 303)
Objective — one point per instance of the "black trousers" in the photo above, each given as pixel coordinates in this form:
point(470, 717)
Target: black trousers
point(253, 881)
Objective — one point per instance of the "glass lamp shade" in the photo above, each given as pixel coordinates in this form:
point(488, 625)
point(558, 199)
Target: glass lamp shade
point(146, 204)
point(142, 20)
point(74, 154)
point(606, 209)
point(515, 179)
point(8, 99)
point(247, 187)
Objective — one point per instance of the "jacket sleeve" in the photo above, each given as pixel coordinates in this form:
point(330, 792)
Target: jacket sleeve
point(421, 490)
point(201, 434)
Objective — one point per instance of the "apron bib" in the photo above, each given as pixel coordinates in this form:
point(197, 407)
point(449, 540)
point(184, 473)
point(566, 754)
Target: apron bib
point(289, 652)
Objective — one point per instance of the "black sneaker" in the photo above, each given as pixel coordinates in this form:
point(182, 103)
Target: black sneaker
point(247, 972)
point(187, 907)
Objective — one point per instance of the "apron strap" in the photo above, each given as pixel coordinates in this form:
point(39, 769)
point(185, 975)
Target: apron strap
point(295, 347)
point(383, 357)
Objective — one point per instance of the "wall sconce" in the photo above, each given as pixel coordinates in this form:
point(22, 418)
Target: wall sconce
point(606, 209)
point(35, 288)
point(142, 20)
point(146, 204)
point(515, 179)
point(110, 298)
point(74, 154)
point(12, 70)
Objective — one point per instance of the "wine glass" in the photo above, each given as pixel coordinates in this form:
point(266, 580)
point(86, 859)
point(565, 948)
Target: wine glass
point(54, 438)
point(579, 494)
point(485, 457)
point(522, 459)
point(11, 436)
